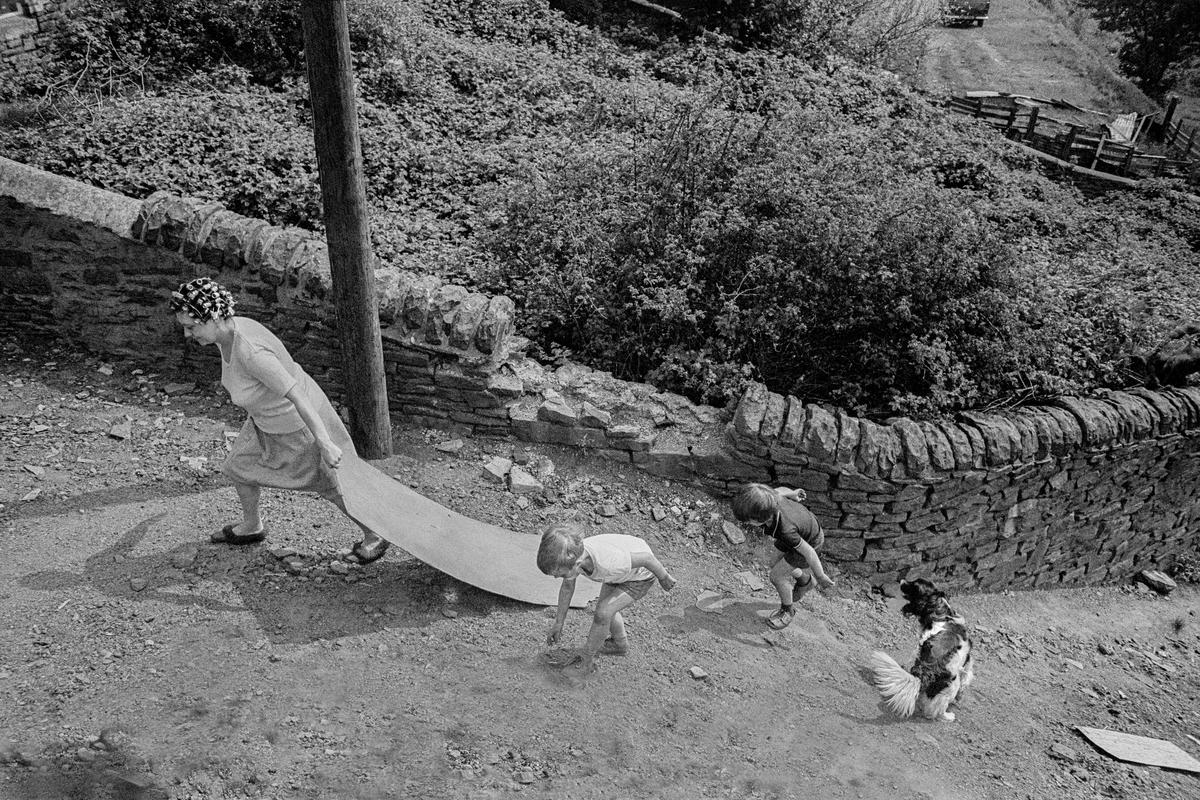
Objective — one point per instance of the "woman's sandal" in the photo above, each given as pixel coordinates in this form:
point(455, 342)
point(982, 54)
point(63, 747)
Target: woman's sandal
point(780, 619)
point(356, 552)
point(227, 536)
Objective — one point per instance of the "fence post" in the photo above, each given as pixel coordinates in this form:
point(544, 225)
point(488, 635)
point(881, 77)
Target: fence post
point(978, 107)
point(1191, 140)
point(1032, 126)
point(1065, 152)
point(1012, 120)
point(1128, 160)
point(1099, 149)
point(1174, 134)
point(1166, 123)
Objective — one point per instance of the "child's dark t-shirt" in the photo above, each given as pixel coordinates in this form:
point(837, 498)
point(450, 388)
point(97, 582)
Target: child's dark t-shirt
point(792, 524)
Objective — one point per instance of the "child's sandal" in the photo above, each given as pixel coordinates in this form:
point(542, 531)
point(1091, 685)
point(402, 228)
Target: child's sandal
point(611, 648)
point(780, 618)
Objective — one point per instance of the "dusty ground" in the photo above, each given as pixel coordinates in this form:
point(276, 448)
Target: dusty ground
point(1025, 48)
point(137, 660)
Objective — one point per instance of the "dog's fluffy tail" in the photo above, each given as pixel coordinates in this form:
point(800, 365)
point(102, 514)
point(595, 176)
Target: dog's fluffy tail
point(898, 687)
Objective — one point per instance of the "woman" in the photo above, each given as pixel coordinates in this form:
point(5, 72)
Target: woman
point(292, 438)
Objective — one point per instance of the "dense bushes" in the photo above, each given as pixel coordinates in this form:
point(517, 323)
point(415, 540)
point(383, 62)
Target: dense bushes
point(111, 45)
point(721, 246)
point(250, 150)
point(693, 212)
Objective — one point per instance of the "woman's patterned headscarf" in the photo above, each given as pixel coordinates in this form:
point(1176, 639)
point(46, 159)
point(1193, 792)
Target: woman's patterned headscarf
point(203, 299)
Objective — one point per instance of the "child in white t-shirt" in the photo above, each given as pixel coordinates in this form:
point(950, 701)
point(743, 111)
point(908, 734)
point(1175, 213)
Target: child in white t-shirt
point(624, 564)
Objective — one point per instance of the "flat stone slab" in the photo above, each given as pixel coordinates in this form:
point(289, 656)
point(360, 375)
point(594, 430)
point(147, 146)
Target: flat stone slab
point(1140, 749)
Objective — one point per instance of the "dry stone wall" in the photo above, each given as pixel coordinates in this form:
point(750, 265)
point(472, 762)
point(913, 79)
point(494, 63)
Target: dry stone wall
point(1078, 492)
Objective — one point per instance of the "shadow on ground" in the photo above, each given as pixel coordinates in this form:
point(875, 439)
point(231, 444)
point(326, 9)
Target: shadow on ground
point(297, 600)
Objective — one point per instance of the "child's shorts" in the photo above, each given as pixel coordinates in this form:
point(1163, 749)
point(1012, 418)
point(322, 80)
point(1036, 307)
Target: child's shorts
point(635, 589)
point(794, 559)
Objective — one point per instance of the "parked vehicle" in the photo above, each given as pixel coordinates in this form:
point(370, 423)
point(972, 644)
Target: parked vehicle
point(965, 12)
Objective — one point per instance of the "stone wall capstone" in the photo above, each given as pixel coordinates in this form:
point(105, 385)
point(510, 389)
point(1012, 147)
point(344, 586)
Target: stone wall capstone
point(1080, 491)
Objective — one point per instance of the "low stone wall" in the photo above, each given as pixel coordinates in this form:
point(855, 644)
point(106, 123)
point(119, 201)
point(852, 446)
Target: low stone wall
point(98, 268)
point(1082, 491)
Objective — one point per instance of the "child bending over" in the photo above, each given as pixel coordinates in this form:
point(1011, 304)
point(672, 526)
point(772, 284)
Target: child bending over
point(624, 564)
point(797, 536)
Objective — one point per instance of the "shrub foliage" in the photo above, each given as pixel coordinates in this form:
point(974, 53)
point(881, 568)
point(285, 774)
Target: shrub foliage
point(693, 208)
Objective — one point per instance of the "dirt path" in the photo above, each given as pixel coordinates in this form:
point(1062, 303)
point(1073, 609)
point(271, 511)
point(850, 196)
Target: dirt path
point(136, 660)
point(1025, 48)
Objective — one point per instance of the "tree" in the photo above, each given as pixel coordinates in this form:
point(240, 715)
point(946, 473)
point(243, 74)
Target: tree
point(1159, 34)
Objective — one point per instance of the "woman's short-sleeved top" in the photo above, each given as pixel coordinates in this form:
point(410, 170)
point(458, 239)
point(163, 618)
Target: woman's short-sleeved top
point(792, 524)
point(259, 374)
point(612, 558)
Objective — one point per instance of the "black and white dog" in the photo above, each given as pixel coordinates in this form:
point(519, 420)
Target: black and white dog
point(943, 668)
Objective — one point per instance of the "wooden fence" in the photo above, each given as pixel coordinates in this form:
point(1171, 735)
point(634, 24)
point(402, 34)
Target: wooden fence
point(1077, 144)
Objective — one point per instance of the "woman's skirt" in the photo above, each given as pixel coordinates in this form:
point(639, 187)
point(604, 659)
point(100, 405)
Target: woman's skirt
point(279, 460)
point(290, 460)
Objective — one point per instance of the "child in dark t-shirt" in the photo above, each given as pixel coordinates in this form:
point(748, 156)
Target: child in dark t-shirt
point(797, 536)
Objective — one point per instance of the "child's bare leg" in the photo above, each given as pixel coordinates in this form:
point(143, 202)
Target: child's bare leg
point(608, 607)
point(803, 584)
point(248, 496)
point(616, 644)
point(783, 578)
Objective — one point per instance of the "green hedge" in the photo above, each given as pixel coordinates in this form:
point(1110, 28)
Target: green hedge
point(692, 213)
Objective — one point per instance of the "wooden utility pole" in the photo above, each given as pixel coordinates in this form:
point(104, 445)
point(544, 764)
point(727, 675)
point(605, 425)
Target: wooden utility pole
point(343, 195)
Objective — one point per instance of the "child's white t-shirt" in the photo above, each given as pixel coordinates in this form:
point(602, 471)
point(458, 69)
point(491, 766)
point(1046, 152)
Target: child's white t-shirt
point(611, 558)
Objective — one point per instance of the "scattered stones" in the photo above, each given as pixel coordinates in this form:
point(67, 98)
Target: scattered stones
point(497, 469)
point(541, 466)
point(1104, 649)
point(1156, 580)
point(449, 613)
point(138, 584)
point(733, 533)
point(698, 673)
point(607, 510)
point(752, 581)
point(658, 513)
point(175, 389)
point(525, 776)
point(37, 472)
point(121, 430)
point(1063, 753)
point(452, 447)
point(521, 482)
point(337, 568)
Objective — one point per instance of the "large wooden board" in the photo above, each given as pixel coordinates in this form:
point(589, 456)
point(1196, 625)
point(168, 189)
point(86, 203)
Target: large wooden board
point(498, 560)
